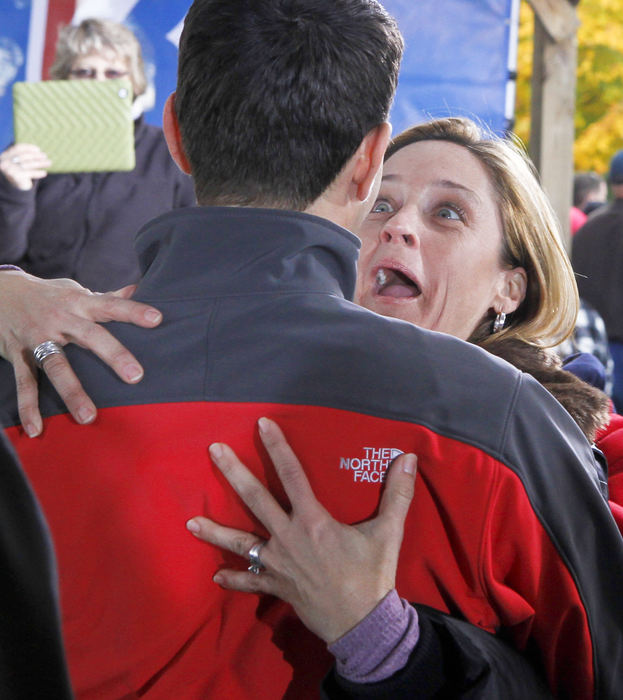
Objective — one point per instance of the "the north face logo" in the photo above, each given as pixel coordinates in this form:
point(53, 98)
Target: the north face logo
point(372, 465)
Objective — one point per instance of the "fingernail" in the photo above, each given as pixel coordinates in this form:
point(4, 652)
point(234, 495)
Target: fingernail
point(263, 424)
point(218, 578)
point(32, 430)
point(133, 373)
point(86, 415)
point(193, 526)
point(216, 450)
point(152, 315)
point(409, 464)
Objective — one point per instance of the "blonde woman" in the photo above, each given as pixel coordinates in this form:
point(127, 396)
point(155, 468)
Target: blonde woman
point(81, 225)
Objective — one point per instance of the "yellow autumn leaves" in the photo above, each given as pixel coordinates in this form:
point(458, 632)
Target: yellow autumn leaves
point(599, 95)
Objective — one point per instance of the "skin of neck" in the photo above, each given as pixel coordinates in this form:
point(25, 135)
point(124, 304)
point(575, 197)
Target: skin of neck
point(340, 205)
point(349, 198)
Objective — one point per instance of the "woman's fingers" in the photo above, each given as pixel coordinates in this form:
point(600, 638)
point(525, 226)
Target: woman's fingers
point(287, 466)
point(22, 163)
point(116, 306)
point(63, 379)
point(126, 292)
point(396, 497)
point(250, 489)
point(244, 581)
point(237, 541)
point(26, 156)
point(82, 311)
point(331, 573)
point(91, 336)
point(61, 310)
point(69, 388)
point(240, 543)
point(23, 150)
point(27, 396)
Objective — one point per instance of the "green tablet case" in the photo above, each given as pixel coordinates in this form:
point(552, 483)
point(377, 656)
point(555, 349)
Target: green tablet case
point(81, 125)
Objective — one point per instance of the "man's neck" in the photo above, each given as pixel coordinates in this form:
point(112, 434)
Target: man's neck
point(342, 216)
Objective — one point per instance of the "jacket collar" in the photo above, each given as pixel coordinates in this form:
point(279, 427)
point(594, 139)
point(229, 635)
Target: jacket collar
point(208, 251)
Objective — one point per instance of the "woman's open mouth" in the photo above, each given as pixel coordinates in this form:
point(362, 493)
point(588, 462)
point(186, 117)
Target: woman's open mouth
point(391, 282)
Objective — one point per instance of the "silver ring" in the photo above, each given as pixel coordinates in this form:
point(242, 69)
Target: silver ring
point(15, 160)
point(45, 349)
point(256, 566)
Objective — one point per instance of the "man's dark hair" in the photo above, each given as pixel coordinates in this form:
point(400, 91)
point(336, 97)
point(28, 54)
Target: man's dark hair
point(274, 96)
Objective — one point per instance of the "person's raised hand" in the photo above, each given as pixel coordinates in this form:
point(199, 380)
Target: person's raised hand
point(332, 574)
point(22, 164)
point(33, 311)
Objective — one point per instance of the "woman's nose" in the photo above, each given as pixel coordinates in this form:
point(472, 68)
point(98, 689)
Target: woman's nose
point(396, 232)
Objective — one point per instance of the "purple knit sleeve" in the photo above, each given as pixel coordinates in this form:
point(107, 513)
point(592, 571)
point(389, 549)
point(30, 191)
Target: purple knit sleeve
point(380, 644)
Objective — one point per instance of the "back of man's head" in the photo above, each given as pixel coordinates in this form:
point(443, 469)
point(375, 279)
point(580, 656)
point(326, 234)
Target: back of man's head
point(274, 96)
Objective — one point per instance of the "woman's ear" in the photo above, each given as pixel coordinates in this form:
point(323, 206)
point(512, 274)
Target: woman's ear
point(512, 290)
point(171, 129)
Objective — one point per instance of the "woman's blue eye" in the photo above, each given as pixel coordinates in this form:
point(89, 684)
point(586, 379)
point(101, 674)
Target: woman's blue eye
point(382, 207)
point(449, 213)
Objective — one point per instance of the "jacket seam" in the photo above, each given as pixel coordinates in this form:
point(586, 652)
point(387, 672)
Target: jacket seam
point(209, 360)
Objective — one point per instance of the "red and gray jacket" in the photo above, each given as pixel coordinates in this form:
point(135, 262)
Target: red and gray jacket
point(508, 528)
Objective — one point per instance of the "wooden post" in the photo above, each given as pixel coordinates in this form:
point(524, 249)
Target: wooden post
point(553, 102)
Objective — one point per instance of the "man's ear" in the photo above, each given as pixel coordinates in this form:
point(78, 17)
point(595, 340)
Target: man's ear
point(171, 129)
point(369, 159)
point(512, 290)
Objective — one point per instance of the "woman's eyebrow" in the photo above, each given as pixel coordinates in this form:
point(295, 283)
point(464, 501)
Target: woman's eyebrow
point(450, 184)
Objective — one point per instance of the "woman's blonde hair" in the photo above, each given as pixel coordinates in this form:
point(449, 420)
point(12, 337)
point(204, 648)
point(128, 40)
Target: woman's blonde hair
point(96, 35)
point(531, 232)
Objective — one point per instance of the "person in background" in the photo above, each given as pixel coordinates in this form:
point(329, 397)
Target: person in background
point(32, 661)
point(589, 337)
point(590, 191)
point(81, 225)
point(597, 258)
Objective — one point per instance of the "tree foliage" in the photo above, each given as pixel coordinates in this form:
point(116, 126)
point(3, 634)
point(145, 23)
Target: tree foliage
point(599, 94)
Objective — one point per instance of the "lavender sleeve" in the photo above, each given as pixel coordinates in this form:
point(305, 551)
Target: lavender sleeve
point(380, 644)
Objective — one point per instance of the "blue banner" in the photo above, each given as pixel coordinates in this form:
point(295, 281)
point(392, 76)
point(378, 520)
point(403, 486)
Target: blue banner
point(460, 59)
point(457, 59)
